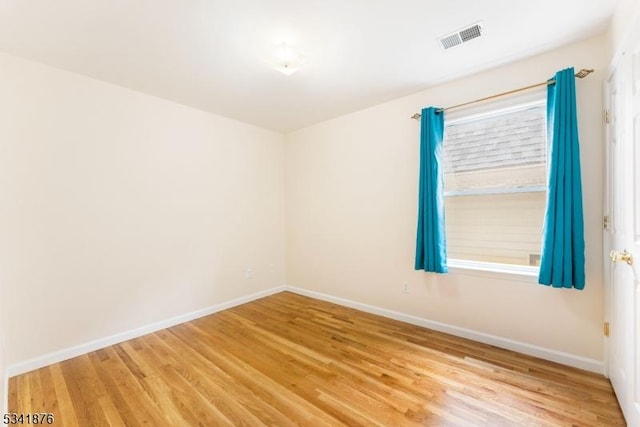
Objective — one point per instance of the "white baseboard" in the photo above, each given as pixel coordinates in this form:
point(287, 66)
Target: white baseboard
point(521, 347)
point(78, 350)
point(568, 359)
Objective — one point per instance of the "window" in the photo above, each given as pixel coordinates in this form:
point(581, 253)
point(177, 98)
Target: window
point(495, 185)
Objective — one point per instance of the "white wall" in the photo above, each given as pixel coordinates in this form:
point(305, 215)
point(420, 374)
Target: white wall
point(118, 209)
point(351, 216)
point(626, 12)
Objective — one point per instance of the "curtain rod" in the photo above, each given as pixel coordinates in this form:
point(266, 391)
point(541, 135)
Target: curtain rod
point(580, 74)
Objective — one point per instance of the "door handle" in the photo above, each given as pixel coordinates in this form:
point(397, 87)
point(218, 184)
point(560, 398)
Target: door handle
point(624, 256)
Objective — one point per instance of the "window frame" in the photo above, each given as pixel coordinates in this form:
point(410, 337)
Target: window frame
point(525, 273)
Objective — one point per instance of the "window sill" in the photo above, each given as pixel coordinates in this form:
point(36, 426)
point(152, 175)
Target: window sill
point(522, 273)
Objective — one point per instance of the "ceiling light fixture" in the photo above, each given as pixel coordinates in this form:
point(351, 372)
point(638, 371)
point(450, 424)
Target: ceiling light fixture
point(287, 60)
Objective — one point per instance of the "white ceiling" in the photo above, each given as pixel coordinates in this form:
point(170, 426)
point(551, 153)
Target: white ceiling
point(214, 54)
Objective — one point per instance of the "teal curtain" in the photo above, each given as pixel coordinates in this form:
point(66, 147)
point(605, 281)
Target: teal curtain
point(562, 261)
point(431, 246)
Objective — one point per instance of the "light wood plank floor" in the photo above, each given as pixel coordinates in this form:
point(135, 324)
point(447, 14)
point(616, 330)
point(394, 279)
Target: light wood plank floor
point(290, 360)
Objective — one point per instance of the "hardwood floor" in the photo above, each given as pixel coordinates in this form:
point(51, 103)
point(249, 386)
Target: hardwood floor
point(290, 360)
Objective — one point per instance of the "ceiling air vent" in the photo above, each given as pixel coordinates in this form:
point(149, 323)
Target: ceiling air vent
point(461, 36)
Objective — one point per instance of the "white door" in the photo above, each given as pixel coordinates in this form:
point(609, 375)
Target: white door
point(623, 188)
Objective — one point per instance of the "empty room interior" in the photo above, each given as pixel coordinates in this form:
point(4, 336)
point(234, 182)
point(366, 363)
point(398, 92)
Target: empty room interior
point(320, 213)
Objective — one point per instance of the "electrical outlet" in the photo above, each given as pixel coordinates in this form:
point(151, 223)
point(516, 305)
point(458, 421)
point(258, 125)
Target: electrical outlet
point(248, 273)
point(405, 287)
point(272, 268)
